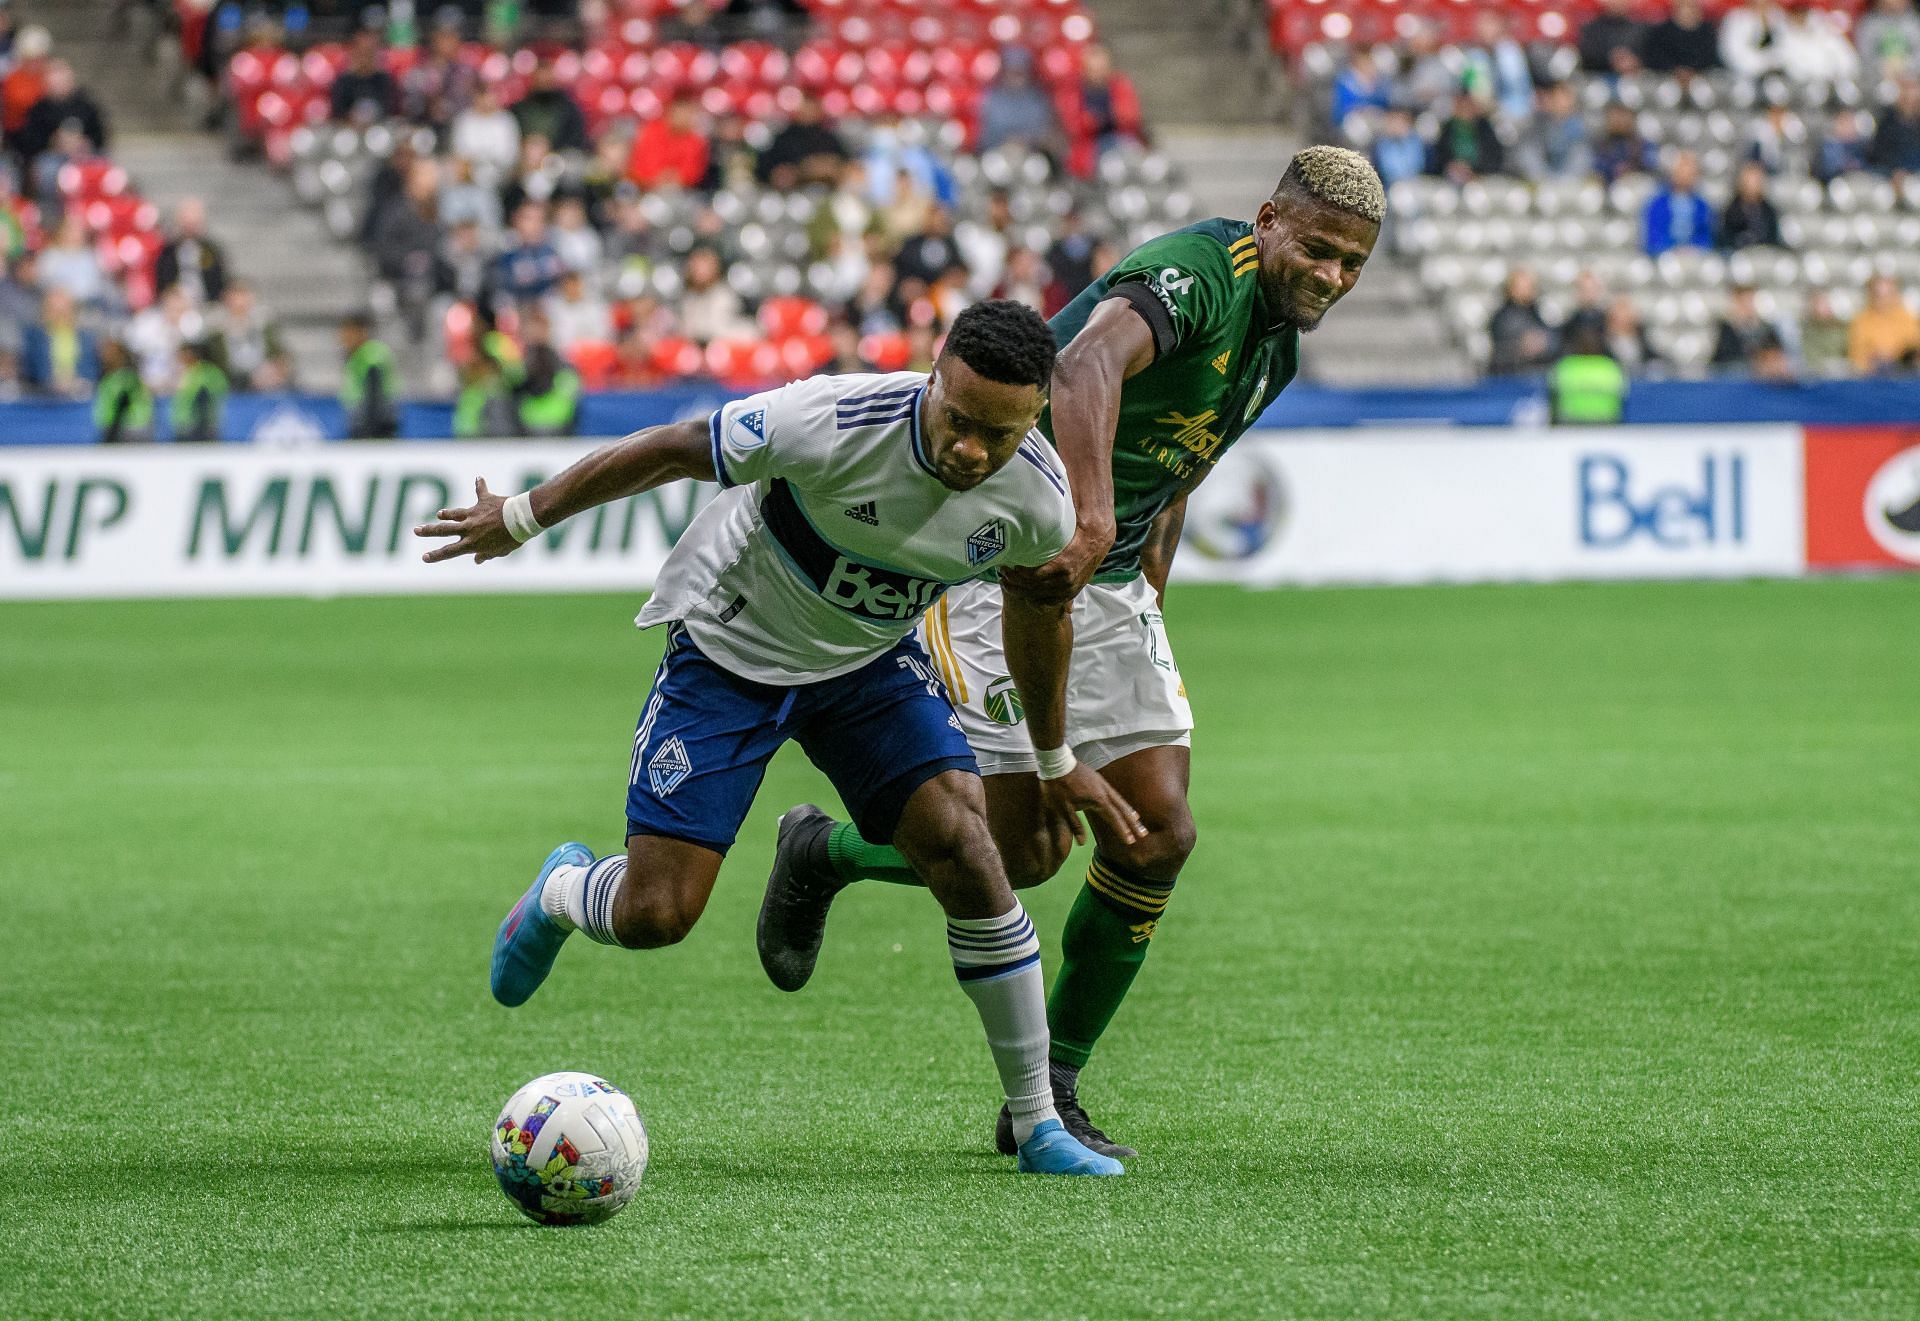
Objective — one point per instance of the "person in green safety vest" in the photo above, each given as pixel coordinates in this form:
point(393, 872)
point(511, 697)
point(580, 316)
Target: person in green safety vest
point(122, 403)
point(548, 389)
point(372, 382)
point(200, 402)
point(1588, 387)
point(485, 406)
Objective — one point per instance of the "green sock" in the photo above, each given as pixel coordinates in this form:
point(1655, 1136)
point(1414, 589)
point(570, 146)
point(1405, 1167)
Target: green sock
point(1105, 942)
point(856, 860)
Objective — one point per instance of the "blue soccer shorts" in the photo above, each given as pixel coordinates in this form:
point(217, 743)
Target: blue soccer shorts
point(706, 735)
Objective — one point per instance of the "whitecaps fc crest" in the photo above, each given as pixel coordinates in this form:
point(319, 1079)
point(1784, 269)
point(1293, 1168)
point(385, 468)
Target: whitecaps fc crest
point(988, 540)
point(669, 766)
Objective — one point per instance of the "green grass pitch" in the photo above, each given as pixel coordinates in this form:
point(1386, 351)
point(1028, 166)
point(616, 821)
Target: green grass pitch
point(1550, 952)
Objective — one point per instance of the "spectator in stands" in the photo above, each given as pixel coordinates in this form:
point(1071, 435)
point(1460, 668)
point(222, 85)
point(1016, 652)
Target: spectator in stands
point(69, 147)
point(1749, 219)
point(1752, 38)
point(1885, 335)
point(1888, 39)
point(1685, 42)
point(26, 82)
point(1823, 337)
point(806, 150)
point(1399, 152)
point(670, 150)
point(529, 267)
point(985, 243)
point(8, 32)
point(406, 247)
point(370, 386)
point(1430, 76)
point(732, 160)
point(248, 344)
point(1025, 279)
point(550, 112)
point(923, 346)
point(59, 356)
point(198, 411)
point(1360, 87)
point(1610, 41)
point(63, 101)
point(122, 404)
point(1587, 387)
point(578, 314)
point(925, 255)
point(781, 22)
point(847, 358)
point(1102, 106)
point(548, 391)
point(710, 309)
point(1015, 109)
point(1466, 146)
point(443, 84)
point(363, 92)
point(69, 262)
point(464, 272)
point(1521, 339)
point(576, 240)
point(1747, 342)
point(464, 199)
point(1554, 143)
point(1778, 141)
point(1621, 150)
point(1070, 260)
point(891, 149)
point(906, 213)
point(156, 334)
point(191, 259)
point(1589, 308)
point(537, 175)
point(1677, 216)
point(20, 296)
point(486, 135)
point(1816, 48)
point(1895, 148)
point(1627, 341)
point(1842, 149)
point(14, 214)
point(1497, 67)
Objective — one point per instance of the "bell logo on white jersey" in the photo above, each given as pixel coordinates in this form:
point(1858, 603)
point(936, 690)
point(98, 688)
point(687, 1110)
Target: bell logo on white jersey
point(865, 591)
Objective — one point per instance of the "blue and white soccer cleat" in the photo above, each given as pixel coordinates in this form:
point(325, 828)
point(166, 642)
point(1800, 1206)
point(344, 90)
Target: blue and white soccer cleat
point(1053, 1150)
point(529, 940)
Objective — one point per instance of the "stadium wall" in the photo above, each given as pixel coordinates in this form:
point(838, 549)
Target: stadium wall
point(1414, 505)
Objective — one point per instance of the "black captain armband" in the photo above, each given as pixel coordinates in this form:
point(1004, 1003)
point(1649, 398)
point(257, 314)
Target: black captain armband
point(1152, 310)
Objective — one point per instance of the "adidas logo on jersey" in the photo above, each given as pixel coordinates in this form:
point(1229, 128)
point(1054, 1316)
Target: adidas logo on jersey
point(864, 513)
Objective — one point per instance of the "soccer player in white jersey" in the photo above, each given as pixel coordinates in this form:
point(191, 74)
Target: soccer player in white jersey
point(851, 504)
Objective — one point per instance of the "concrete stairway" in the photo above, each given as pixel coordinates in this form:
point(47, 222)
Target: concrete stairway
point(302, 274)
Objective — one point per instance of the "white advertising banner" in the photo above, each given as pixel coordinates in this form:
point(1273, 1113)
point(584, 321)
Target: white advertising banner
point(237, 520)
point(1452, 505)
point(1440, 505)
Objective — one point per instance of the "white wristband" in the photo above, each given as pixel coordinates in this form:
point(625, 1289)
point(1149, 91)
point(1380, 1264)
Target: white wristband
point(518, 513)
point(1055, 763)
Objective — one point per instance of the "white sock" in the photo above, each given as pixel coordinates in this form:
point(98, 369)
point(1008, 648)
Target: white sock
point(581, 898)
point(997, 960)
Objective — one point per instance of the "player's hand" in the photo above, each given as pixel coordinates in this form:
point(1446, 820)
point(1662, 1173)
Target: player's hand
point(1083, 789)
point(1062, 577)
point(480, 529)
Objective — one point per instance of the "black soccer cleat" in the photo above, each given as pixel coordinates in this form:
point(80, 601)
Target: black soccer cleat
point(1077, 1123)
point(800, 890)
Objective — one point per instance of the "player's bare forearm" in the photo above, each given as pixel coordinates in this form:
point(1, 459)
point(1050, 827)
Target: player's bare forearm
point(1038, 634)
point(642, 461)
point(1115, 344)
point(1163, 539)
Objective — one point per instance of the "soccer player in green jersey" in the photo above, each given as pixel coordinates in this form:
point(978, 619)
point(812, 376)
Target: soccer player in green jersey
point(1166, 360)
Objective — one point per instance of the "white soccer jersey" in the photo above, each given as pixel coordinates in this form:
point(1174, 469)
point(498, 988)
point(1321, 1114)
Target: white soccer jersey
point(835, 534)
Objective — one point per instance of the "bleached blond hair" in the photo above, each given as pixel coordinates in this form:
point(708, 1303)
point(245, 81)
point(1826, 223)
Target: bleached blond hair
point(1340, 178)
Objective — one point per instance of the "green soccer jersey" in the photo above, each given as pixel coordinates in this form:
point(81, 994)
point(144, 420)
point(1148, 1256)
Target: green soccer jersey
point(1219, 361)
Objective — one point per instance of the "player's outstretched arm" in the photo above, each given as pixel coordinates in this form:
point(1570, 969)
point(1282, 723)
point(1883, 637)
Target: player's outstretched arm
point(642, 461)
point(1038, 633)
point(1115, 343)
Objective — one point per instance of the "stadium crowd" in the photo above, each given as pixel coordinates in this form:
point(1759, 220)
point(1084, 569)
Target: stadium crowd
point(1790, 94)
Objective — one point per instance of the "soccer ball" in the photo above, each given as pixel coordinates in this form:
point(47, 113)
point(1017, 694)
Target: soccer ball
point(569, 1149)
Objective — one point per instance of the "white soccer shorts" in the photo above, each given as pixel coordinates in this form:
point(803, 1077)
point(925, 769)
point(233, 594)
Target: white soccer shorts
point(1124, 692)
